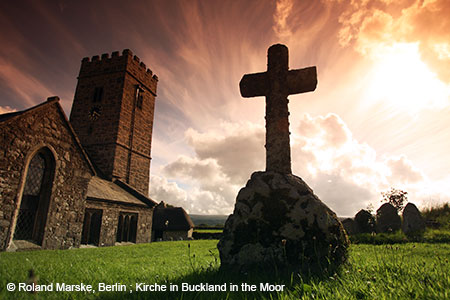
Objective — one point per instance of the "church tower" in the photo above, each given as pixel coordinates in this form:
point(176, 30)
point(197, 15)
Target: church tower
point(112, 114)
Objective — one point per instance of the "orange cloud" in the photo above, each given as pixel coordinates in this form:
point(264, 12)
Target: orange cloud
point(6, 109)
point(283, 9)
point(373, 23)
point(345, 173)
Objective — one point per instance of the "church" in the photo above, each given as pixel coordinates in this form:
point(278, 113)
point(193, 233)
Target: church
point(83, 180)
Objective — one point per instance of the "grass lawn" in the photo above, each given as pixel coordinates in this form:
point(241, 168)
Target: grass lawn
point(208, 230)
point(401, 271)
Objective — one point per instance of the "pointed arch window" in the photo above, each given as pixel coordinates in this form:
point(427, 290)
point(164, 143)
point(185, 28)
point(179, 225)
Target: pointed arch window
point(127, 227)
point(36, 194)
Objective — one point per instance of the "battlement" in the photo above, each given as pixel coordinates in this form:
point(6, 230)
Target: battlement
point(127, 62)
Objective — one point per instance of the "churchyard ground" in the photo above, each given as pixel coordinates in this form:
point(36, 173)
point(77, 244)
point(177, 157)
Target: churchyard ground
point(389, 271)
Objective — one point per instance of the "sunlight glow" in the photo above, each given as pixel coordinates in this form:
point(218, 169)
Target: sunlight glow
point(404, 81)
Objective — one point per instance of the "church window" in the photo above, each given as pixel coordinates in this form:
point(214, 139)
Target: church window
point(36, 198)
point(139, 97)
point(98, 94)
point(91, 227)
point(127, 227)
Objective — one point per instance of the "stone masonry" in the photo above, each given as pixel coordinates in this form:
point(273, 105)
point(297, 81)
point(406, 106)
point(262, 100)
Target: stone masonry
point(44, 126)
point(118, 139)
point(64, 183)
point(111, 215)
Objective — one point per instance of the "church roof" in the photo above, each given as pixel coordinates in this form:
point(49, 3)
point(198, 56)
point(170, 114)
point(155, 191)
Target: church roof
point(99, 189)
point(107, 191)
point(8, 116)
point(171, 219)
point(50, 101)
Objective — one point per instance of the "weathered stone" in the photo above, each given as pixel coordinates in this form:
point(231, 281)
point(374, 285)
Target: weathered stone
point(276, 84)
point(365, 221)
point(287, 227)
point(350, 226)
point(112, 128)
point(413, 222)
point(118, 143)
point(388, 219)
point(278, 222)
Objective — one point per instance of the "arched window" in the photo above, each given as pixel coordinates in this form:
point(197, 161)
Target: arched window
point(92, 226)
point(127, 227)
point(36, 198)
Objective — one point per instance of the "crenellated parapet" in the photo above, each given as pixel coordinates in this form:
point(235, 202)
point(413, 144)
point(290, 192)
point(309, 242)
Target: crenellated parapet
point(118, 63)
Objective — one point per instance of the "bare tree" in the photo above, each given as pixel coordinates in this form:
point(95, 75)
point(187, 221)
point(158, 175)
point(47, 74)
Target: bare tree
point(397, 198)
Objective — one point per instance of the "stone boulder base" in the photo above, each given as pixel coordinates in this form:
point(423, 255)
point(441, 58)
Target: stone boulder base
point(365, 221)
point(413, 223)
point(278, 223)
point(388, 219)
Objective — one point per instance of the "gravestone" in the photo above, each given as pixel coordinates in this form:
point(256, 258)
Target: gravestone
point(365, 221)
point(278, 222)
point(388, 219)
point(413, 222)
point(350, 226)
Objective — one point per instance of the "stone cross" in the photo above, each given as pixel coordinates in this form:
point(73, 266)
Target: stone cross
point(276, 84)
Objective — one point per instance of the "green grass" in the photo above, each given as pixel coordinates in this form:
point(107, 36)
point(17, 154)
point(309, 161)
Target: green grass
point(208, 230)
point(401, 271)
point(398, 237)
point(439, 215)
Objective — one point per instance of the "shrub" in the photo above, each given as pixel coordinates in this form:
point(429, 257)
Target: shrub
point(438, 216)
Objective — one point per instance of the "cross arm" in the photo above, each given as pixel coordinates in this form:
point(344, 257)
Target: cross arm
point(254, 85)
point(302, 80)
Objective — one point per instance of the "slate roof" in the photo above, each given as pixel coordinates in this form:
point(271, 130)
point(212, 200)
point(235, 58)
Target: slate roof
point(104, 190)
point(177, 219)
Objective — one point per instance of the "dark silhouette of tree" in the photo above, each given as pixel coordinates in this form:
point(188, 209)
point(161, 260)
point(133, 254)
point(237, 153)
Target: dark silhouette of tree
point(397, 198)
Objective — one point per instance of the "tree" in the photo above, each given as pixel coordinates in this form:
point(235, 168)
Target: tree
point(397, 198)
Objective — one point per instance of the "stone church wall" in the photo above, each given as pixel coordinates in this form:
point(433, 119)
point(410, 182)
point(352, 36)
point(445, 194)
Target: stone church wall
point(119, 139)
point(20, 138)
point(110, 217)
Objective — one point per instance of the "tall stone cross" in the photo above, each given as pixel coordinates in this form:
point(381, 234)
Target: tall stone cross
point(276, 84)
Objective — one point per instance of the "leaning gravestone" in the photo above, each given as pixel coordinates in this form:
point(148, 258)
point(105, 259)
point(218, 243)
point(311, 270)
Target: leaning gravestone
point(277, 221)
point(365, 221)
point(388, 219)
point(413, 222)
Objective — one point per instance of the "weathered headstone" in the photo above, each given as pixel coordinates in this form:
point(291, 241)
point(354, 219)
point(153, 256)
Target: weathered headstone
point(277, 221)
point(365, 221)
point(388, 219)
point(350, 226)
point(413, 222)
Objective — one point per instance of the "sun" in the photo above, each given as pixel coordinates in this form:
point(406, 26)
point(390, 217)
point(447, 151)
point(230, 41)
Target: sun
point(401, 80)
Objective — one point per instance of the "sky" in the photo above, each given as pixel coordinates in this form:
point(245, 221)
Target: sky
point(379, 117)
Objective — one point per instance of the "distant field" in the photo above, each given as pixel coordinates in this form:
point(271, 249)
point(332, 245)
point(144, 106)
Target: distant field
point(209, 220)
point(208, 230)
point(403, 271)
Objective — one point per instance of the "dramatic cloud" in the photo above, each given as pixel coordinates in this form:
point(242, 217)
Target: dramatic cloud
point(345, 174)
point(383, 67)
point(169, 192)
point(6, 109)
point(283, 9)
point(30, 89)
point(375, 24)
point(238, 148)
point(403, 171)
point(224, 159)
